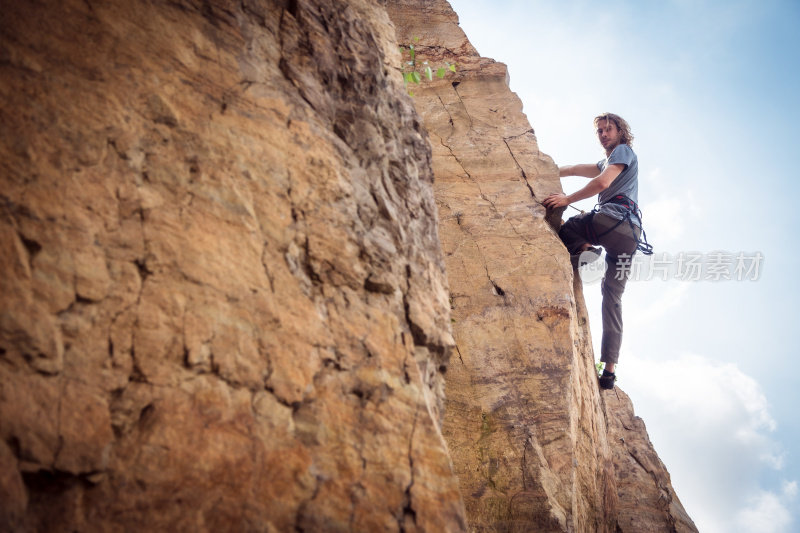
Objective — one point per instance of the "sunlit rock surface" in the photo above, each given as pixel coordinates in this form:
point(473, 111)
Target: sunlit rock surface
point(526, 424)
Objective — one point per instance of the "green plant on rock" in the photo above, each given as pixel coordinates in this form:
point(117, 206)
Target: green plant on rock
point(414, 72)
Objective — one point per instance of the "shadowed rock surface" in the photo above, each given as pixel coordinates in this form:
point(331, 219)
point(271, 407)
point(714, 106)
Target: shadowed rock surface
point(223, 299)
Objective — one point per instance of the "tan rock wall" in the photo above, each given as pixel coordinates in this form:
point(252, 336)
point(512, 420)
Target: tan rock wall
point(525, 421)
point(222, 300)
point(647, 501)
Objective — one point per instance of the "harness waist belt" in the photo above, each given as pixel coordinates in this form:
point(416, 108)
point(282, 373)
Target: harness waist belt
point(624, 201)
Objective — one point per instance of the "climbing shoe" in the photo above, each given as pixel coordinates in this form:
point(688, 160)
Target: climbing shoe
point(607, 380)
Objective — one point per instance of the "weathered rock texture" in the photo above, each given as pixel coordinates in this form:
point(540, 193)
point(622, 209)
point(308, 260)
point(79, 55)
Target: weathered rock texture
point(647, 501)
point(525, 421)
point(222, 298)
point(223, 303)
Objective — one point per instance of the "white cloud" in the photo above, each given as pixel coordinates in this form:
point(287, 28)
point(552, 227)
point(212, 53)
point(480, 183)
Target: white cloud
point(647, 312)
point(766, 512)
point(714, 434)
point(667, 214)
point(711, 395)
point(790, 489)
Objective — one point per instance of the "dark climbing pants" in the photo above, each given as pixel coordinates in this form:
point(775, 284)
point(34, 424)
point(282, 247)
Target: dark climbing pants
point(620, 245)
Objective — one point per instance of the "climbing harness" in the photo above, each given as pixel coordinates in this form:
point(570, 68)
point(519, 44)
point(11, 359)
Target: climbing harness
point(631, 208)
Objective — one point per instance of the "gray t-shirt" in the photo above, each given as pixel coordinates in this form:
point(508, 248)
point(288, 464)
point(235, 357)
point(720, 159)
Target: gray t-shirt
point(627, 183)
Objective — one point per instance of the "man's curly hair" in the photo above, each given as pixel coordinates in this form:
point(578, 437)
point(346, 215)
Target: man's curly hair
point(622, 126)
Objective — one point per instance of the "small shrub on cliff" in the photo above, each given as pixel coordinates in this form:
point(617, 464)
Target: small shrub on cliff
point(414, 73)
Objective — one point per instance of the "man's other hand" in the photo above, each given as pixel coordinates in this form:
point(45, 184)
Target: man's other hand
point(555, 201)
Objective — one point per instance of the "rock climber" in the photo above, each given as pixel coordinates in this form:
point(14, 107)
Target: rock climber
point(615, 224)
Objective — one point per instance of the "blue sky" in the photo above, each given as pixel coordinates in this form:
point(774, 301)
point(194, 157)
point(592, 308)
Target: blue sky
point(710, 90)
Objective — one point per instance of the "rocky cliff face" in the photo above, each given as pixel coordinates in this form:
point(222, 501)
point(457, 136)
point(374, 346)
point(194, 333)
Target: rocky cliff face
point(224, 306)
point(223, 301)
point(535, 444)
point(647, 501)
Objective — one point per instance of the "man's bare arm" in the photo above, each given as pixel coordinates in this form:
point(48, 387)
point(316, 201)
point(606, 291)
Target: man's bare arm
point(596, 186)
point(588, 170)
